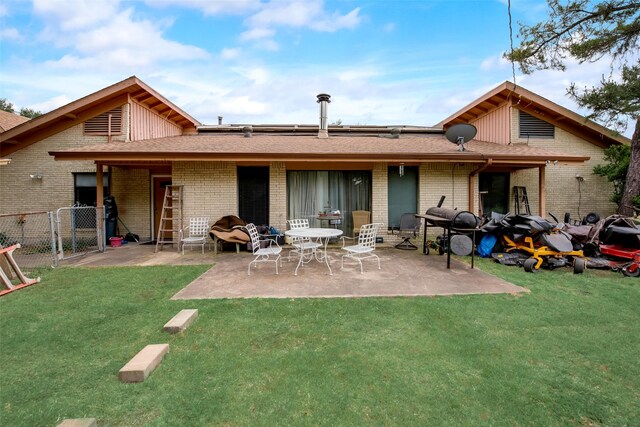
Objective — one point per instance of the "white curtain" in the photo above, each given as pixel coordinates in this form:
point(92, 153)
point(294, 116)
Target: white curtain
point(312, 192)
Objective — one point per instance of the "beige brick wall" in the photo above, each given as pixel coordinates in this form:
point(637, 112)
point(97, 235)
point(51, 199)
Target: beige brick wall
point(132, 191)
point(20, 193)
point(210, 188)
point(278, 195)
point(445, 179)
point(563, 194)
point(380, 194)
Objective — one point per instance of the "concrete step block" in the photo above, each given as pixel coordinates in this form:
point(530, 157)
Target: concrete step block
point(143, 363)
point(181, 321)
point(78, 422)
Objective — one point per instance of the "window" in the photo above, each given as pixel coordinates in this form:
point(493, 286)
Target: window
point(312, 192)
point(84, 188)
point(99, 125)
point(533, 127)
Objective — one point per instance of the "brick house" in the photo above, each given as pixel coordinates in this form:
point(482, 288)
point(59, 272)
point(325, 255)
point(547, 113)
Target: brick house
point(513, 116)
point(269, 173)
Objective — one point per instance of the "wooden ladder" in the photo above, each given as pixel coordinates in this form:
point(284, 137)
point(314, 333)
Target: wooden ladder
point(520, 196)
point(171, 214)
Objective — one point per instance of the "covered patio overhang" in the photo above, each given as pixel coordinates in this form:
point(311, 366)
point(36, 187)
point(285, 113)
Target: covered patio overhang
point(310, 152)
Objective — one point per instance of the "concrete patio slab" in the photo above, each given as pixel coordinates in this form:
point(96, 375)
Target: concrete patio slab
point(403, 273)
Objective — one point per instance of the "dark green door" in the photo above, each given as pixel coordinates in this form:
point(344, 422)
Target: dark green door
point(402, 193)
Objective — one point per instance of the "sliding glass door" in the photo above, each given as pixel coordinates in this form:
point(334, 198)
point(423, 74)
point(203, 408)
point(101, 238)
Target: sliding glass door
point(312, 192)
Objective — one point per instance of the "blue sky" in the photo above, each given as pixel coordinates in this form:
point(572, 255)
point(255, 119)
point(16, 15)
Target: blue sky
point(263, 61)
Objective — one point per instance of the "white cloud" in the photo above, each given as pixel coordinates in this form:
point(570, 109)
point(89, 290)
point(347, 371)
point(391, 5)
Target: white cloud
point(230, 53)
point(337, 22)
point(9, 34)
point(52, 103)
point(77, 14)
point(3, 10)
point(298, 14)
point(211, 7)
point(115, 41)
point(257, 33)
point(495, 63)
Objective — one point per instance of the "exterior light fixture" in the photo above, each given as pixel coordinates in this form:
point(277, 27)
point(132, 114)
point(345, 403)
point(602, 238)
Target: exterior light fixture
point(401, 170)
point(37, 175)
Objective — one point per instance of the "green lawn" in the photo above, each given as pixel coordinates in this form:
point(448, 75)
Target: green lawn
point(566, 354)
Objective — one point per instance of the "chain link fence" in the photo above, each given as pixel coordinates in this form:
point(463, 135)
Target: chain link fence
point(78, 232)
point(34, 231)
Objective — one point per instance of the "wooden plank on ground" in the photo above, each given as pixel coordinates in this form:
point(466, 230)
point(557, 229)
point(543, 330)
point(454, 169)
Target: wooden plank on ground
point(181, 321)
point(140, 367)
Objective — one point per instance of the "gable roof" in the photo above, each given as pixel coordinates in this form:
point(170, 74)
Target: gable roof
point(537, 106)
point(89, 106)
point(10, 120)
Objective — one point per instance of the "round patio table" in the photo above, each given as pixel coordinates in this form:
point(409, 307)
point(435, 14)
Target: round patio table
point(319, 234)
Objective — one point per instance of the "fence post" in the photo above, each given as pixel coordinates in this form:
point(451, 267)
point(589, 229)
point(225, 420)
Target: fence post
point(54, 258)
point(60, 245)
point(102, 235)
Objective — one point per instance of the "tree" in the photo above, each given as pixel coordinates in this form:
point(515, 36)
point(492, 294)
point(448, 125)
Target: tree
point(6, 106)
point(29, 112)
point(589, 31)
point(615, 170)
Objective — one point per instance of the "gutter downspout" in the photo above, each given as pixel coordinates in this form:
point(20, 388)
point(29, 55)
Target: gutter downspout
point(472, 183)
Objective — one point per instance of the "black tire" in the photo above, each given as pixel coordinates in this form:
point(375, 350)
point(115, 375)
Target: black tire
point(627, 271)
point(530, 265)
point(592, 218)
point(579, 265)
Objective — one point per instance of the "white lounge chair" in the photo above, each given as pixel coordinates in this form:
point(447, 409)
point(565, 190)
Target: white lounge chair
point(270, 253)
point(365, 247)
point(195, 234)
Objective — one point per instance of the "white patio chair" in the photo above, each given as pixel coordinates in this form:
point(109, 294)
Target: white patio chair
point(271, 253)
point(195, 234)
point(365, 247)
point(301, 244)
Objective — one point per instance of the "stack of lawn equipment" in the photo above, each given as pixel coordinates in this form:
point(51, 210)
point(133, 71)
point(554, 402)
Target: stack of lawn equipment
point(533, 242)
point(530, 241)
point(613, 242)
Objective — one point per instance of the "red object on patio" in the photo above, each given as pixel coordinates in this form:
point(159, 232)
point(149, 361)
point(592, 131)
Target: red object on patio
point(115, 242)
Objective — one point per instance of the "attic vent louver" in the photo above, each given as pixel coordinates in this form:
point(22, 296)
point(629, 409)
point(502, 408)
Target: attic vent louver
point(107, 123)
point(533, 127)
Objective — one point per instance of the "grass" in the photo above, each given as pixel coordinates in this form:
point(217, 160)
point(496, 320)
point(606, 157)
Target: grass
point(565, 354)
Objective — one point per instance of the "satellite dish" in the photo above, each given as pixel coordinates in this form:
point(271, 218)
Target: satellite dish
point(461, 134)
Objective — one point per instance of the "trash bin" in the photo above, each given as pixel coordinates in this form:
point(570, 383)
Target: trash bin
point(110, 216)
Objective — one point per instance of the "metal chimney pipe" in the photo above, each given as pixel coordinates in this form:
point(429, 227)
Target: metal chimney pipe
point(219, 120)
point(323, 100)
